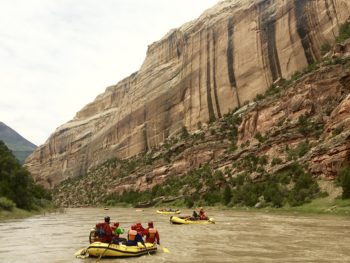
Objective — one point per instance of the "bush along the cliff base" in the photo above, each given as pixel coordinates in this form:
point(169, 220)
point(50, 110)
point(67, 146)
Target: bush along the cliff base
point(204, 186)
point(17, 189)
point(343, 180)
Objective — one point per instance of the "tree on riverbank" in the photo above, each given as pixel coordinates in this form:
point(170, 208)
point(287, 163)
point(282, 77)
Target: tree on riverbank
point(344, 178)
point(16, 184)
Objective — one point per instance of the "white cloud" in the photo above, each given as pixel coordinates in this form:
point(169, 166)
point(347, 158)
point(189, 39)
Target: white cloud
point(57, 56)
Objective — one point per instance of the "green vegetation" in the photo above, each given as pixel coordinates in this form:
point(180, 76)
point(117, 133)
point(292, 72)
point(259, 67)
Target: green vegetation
point(299, 151)
point(325, 48)
point(184, 133)
point(344, 181)
point(338, 130)
point(344, 32)
point(7, 204)
point(229, 126)
point(204, 186)
point(16, 185)
point(308, 127)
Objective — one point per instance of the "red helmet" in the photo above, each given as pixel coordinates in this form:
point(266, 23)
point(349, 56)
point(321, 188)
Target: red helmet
point(116, 224)
point(133, 227)
point(150, 224)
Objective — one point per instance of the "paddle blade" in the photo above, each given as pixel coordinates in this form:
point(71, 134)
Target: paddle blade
point(165, 250)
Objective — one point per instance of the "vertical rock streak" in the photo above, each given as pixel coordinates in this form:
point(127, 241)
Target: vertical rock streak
point(230, 58)
point(214, 75)
point(209, 99)
point(267, 23)
point(303, 30)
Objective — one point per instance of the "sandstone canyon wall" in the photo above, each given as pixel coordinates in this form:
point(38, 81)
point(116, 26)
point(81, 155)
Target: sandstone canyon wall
point(195, 73)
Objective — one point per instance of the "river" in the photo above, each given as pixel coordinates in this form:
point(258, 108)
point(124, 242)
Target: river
point(236, 237)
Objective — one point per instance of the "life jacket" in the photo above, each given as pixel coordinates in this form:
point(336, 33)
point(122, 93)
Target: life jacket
point(152, 232)
point(132, 235)
point(202, 215)
point(152, 235)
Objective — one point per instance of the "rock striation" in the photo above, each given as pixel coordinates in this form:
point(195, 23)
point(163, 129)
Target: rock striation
point(195, 74)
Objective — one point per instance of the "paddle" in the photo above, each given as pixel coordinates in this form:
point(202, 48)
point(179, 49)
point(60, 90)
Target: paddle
point(146, 248)
point(165, 250)
point(211, 220)
point(103, 252)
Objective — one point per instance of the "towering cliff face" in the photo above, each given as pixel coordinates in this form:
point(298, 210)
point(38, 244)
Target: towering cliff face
point(196, 73)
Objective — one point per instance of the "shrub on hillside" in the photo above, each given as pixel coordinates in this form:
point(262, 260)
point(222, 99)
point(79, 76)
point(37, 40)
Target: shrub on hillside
point(304, 190)
point(189, 202)
point(6, 204)
point(344, 32)
point(184, 133)
point(227, 195)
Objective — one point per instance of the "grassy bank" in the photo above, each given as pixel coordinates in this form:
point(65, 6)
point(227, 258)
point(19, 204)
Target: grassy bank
point(319, 206)
point(17, 213)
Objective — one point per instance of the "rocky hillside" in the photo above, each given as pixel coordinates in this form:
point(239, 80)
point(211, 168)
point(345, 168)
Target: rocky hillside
point(196, 74)
point(299, 129)
point(19, 146)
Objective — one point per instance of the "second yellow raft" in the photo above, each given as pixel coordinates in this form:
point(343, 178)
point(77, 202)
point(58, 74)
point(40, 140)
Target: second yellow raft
point(186, 221)
point(168, 212)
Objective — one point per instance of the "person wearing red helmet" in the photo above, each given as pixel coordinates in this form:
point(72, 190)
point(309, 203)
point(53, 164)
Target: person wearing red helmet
point(139, 228)
point(152, 235)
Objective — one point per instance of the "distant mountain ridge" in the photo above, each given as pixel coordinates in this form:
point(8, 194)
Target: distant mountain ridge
point(20, 146)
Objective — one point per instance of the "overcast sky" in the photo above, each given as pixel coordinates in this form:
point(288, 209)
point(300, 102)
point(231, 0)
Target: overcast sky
point(56, 56)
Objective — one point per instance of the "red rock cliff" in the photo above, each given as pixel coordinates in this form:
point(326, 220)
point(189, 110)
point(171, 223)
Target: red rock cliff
point(196, 73)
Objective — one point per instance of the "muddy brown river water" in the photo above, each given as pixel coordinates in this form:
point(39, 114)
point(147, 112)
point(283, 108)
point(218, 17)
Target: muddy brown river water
point(236, 237)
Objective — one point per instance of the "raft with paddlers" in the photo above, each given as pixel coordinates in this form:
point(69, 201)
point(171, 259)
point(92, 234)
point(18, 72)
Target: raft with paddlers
point(189, 220)
point(168, 211)
point(99, 249)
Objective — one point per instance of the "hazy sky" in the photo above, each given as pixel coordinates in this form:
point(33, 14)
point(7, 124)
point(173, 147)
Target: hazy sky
point(56, 56)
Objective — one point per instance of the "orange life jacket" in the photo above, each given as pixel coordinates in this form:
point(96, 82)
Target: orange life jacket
point(152, 235)
point(132, 235)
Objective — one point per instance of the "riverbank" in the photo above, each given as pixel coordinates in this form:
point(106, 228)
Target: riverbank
point(318, 206)
point(17, 213)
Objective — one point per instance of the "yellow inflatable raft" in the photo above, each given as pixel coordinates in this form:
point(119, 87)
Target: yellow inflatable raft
point(168, 212)
point(186, 221)
point(97, 249)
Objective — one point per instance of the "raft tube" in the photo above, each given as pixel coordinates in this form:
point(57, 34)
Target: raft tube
point(97, 249)
point(186, 221)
